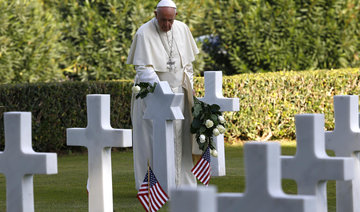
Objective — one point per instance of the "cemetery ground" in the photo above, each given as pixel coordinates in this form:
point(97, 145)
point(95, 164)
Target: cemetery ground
point(66, 191)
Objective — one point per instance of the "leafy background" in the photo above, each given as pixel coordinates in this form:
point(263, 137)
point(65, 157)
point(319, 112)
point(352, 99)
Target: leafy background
point(87, 40)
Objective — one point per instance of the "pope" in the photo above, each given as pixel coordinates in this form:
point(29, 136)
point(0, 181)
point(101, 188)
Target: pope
point(163, 49)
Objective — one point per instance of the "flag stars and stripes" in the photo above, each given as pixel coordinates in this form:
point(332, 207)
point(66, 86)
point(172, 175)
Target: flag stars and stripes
point(202, 168)
point(152, 198)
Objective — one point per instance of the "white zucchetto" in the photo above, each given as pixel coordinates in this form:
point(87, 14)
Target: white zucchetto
point(166, 3)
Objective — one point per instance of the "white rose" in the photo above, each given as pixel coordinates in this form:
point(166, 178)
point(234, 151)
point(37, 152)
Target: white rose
point(136, 89)
point(214, 153)
point(221, 129)
point(221, 119)
point(209, 123)
point(202, 138)
point(216, 132)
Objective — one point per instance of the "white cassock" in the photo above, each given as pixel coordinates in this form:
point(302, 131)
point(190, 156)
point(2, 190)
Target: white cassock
point(149, 53)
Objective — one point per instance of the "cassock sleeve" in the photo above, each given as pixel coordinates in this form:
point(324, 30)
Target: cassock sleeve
point(146, 74)
point(190, 73)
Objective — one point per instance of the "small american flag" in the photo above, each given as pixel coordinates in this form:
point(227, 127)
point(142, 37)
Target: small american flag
point(152, 198)
point(202, 168)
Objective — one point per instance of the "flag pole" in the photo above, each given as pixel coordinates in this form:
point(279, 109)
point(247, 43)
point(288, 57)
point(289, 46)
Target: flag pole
point(148, 163)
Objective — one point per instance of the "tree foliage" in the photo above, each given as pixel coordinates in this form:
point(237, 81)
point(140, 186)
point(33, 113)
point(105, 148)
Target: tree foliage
point(267, 35)
point(50, 40)
point(97, 36)
point(30, 48)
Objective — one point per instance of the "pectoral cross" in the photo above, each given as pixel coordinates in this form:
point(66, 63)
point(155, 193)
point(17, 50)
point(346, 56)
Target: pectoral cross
point(171, 65)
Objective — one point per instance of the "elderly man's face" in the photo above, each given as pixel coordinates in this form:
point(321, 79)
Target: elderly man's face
point(165, 17)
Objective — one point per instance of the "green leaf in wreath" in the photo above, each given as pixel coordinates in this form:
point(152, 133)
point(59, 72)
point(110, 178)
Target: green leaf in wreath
point(196, 124)
point(197, 110)
point(211, 145)
point(214, 118)
point(202, 129)
point(196, 100)
point(193, 130)
point(201, 145)
point(143, 95)
point(215, 107)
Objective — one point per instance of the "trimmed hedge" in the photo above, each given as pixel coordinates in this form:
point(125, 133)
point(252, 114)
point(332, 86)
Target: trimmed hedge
point(268, 104)
point(269, 101)
point(57, 106)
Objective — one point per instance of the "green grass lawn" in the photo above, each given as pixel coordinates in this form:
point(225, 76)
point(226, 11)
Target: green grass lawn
point(66, 191)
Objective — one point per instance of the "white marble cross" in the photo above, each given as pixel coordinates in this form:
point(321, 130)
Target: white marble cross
point(162, 107)
point(99, 137)
point(214, 95)
point(311, 167)
point(345, 142)
point(263, 185)
point(19, 162)
point(200, 199)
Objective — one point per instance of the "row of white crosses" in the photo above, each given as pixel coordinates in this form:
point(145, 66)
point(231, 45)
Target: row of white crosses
point(99, 137)
point(19, 162)
point(162, 108)
point(311, 168)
